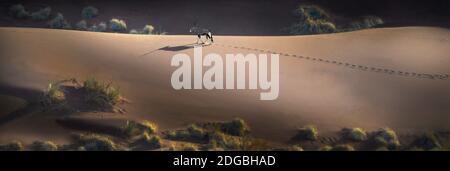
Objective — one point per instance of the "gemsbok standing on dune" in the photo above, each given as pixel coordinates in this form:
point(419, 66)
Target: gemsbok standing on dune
point(202, 32)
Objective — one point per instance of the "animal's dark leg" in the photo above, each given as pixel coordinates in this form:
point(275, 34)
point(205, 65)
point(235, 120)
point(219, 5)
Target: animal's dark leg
point(209, 36)
point(198, 37)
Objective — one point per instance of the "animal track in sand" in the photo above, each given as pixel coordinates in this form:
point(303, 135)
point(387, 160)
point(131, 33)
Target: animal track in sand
point(352, 66)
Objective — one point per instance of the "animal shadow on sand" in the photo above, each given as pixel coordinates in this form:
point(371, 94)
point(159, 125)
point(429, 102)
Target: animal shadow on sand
point(176, 48)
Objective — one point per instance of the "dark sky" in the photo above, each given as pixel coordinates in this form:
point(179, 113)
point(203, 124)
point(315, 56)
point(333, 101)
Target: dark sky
point(237, 17)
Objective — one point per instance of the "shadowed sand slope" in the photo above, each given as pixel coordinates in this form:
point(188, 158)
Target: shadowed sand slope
point(372, 90)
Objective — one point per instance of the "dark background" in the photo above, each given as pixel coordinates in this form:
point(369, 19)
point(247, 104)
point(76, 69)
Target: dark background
point(235, 17)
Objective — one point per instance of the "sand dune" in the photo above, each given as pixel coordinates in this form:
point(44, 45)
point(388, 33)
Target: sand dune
point(312, 91)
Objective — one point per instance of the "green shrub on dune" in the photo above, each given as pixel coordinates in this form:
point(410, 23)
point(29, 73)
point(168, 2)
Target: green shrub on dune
point(133, 128)
point(58, 22)
point(101, 94)
point(308, 132)
point(366, 22)
point(188, 147)
point(224, 141)
point(89, 12)
point(148, 29)
point(53, 97)
point(44, 146)
point(295, 148)
point(153, 140)
point(193, 132)
point(196, 132)
point(343, 147)
point(82, 25)
point(386, 137)
point(134, 31)
point(325, 148)
point(310, 26)
point(428, 141)
point(117, 25)
point(354, 134)
point(312, 20)
point(41, 14)
point(13, 146)
point(312, 12)
point(149, 127)
point(93, 142)
point(101, 27)
point(236, 127)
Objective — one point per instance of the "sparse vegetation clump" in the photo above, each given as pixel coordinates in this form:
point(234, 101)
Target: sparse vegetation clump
point(310, 26)
point(93, 142)
point(13, 146)
point(386, 137)
point(89, 12)
point(44, 146)
point(133, 128)
point(117, 25)
point(82, 25)
point(193, 132)
point(41, 14)
point(295, 148)
point(53, 96)
point(311, 11)
point(366, 22)
point(101, 27)
point(354, 134)
point(184, 147)
point(149, 127)
point(312, 20)
point(219, 140)
point(18, 11)
point(101, 94)
point(59, 22)
point(325, 148)
point(382, 149)
point(308, 132)
point(152, 140)
point(219, 136)
point(343, 147)
point(236, 127)
point(428, 141)
point(148, 29)
point(134, 31)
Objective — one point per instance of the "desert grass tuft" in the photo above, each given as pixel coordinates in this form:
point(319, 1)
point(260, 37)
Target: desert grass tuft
point(12, 146)
point(428, 141)
point(101, 94)
point(308, 132)
point(343, 147)
point(386, 137)
point(44, 146)
point(236, 127)
point(354, 134)
point(94, 142)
